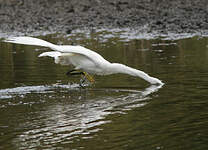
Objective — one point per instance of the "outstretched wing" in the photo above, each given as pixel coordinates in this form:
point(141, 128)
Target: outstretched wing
point(95, 57)
point(30, 41)
point(50, 54)
point(78, 60)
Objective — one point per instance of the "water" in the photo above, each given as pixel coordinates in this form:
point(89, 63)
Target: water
point(42, 108)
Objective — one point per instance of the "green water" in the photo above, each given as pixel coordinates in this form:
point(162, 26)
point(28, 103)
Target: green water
point(42, 108)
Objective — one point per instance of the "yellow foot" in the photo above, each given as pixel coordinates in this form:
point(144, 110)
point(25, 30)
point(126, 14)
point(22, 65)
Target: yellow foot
point(89, 77)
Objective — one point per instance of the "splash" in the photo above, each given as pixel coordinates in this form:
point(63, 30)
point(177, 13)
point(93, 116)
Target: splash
point(22, 91)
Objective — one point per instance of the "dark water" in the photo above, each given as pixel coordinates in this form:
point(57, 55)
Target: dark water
point(42, 108)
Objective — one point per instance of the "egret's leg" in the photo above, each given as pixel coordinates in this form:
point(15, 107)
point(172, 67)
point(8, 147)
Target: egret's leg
point(89, 77)
point(85, 74)
point(74, 72)
point(82, 80)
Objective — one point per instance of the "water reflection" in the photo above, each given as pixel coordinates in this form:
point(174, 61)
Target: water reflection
point(42, 108)
point(63, 122)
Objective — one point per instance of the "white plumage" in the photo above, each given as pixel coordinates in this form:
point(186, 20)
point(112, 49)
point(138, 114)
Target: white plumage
point(83, 59)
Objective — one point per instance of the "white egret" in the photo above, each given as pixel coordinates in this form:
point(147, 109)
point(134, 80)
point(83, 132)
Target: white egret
point(83, 59)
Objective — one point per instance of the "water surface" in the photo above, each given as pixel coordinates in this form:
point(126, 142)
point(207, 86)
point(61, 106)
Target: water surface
point(42, 108)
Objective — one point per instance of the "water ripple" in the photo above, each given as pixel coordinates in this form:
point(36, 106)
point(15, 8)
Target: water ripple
point(21, 91)
point(61, 123)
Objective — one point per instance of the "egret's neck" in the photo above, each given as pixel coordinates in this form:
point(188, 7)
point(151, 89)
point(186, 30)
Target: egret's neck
point(120, 68)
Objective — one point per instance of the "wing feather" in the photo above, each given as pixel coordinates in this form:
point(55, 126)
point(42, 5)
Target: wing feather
point(93, 56)
point(75, 59)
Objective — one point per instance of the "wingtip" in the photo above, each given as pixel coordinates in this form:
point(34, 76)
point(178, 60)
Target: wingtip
point(40, 55)
point(9, 39)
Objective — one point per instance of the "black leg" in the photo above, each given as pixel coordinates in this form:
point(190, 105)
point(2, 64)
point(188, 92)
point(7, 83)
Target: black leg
point(74, 72)
point(69, 72)
point(82, 80)
point(85, 75)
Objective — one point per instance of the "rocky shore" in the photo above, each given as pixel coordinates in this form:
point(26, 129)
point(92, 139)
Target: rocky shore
point(163, 16)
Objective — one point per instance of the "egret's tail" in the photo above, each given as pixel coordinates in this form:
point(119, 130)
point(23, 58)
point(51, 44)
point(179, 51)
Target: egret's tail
point(30, 41)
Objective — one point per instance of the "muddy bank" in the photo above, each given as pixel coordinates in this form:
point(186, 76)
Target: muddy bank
point(178, 16)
